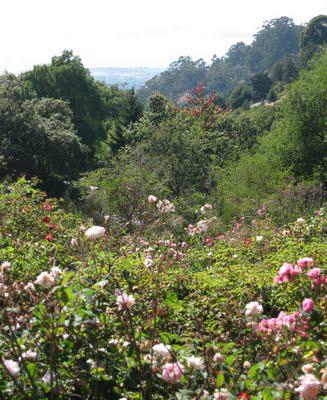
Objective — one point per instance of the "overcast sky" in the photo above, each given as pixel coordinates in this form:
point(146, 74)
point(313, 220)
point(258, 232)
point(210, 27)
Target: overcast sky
point(126, 33)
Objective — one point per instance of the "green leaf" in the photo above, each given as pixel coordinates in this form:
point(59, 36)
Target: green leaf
point(31, 368)
point(220, 380)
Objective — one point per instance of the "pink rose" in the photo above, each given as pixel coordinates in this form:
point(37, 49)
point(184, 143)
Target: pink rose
point(309, 387)
point(307, 305)
point(314, 273)
point(152, 199)
point(305, 262)
point(285, 269)
point(172, 372)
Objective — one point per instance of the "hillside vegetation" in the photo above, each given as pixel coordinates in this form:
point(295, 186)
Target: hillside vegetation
point(166, 251)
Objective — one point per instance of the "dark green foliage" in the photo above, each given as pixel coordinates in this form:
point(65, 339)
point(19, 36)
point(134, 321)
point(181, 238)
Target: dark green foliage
point(241, 96)
point(67, 79)
point(91, 102)
point(223, 77)
point(160, 108)
point(284, 70)
point(261, 84)
point(182, 76)
point(277, 38)
point(313, 38)
point(38, 138)
point(132, 107)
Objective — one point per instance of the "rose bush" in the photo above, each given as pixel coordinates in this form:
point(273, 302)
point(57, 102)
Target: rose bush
point(167, 315)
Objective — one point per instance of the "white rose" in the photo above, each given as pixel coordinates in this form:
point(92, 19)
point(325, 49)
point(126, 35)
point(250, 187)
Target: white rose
point(161, 349)
point(12, 367)
point(253, 308)
point(95, 232)
point(195, 363)
point(45, 280)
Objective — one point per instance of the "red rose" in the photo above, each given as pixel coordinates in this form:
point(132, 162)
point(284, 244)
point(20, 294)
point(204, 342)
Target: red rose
point(49, 237)
point(243, 395)
point(46, 207)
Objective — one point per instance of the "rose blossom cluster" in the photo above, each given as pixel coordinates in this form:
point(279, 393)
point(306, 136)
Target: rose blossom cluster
point(178, 255)
point(12, 367)
point(294, 322)
point(172, 372)
point(253, 308)
point(307, 305)
point(148, 262)
point(205, 208)
point(200, 227)
point(48, 279)
point(317, 278)
point(262, 210)
point(222, 394)
point(152, 199)
point(165, 206)
point(309, 387)
point(3, 269)
point(123, 300)
point(287, 272)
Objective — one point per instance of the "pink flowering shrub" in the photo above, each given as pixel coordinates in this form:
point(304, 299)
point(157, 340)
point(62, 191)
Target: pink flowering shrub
point(164, 314)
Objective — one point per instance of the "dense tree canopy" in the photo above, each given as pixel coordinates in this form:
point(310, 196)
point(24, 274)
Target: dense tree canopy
point(67, 79)
point(313, 38)
point(37, 136)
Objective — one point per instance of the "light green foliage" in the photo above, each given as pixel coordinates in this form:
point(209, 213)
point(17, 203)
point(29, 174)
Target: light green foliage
point(121, 192)
point(296, 145)
point(300, 135)
point(242, 186)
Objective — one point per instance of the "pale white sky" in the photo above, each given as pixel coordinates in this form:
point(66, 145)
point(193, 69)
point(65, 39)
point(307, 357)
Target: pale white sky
point(134, 32)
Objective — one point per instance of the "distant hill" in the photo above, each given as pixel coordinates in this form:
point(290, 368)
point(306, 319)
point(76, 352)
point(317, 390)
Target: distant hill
point(125, 77)
point(277, 39)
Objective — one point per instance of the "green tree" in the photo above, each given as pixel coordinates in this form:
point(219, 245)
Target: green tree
point(284, 70)
point(241, 96)
point(38, 138)
point(302, 133)
point(313, 38)
point(67, 79)
point(276, 38)
point(261, 84)
point(182, 76)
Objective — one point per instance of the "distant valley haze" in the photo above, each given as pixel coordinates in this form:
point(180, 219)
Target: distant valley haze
point(124, 77)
